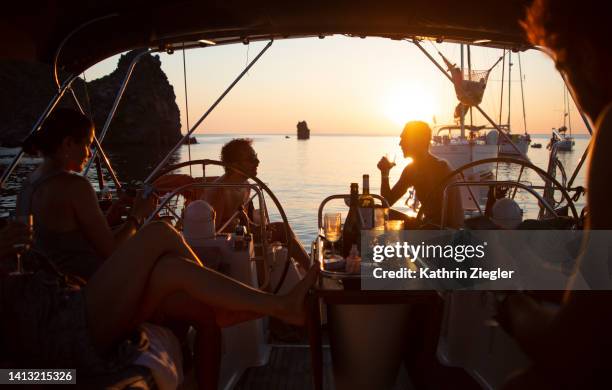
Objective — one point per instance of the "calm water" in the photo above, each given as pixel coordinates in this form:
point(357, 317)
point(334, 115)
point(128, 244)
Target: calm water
point(303, 173)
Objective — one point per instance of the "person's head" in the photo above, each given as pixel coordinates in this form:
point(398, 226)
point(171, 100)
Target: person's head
point(65, 137)
point(577, 35)
point(240, 153)
point(415, 139)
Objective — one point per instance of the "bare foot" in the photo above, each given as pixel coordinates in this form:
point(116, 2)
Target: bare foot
point(292, 305)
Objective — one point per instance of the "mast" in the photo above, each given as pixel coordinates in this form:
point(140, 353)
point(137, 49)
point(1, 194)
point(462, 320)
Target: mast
point(501, 95)
point(522, 93)
point(462, 118)
point(469, 61)
point(564, 106)
point(569, 112)
point(509, 85)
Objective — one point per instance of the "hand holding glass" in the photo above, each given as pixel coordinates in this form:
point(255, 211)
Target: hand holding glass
point(332, 226)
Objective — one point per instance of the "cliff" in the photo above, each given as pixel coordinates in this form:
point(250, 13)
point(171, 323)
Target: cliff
point(147, 115)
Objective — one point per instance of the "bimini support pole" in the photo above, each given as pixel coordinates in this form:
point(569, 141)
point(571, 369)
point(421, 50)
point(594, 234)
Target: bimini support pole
point(214, 105)
point(487, 117)
point(113, 110)
point(579, 166)
point(50, 107)
point(97, 146)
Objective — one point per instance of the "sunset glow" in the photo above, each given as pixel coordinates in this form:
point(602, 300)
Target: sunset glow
point(407, 103)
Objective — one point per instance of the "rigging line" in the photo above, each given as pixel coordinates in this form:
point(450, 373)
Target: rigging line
point(501, 95)
point(205, 115)
point(522, 93)
point(186, 107)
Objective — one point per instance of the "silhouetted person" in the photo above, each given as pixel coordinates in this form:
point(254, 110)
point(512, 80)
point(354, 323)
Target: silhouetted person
point(571, 348)
point(425, 173)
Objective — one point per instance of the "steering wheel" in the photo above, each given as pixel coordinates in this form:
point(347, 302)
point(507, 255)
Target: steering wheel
point(286, 227)
point(444, 183)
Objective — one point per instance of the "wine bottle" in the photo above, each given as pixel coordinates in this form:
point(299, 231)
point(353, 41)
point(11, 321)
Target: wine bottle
point(351, 233)
point(365, 199)
point(366, 205)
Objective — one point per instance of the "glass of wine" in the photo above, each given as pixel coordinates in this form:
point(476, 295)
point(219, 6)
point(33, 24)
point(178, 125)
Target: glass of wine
point(332, 227)
point(21, 248)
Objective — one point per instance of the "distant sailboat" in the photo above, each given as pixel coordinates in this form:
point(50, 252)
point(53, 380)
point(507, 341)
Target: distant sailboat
point(560, 137)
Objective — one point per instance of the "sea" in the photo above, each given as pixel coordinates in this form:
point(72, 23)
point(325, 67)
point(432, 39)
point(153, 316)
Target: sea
point(302, 173)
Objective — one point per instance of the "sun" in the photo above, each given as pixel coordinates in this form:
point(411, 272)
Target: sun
point(409, 103)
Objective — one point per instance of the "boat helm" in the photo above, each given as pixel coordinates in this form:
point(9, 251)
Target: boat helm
point(506, 213)
point(198, 222)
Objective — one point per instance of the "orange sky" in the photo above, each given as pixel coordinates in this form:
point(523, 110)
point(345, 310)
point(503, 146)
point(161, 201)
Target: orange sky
point(342, 85)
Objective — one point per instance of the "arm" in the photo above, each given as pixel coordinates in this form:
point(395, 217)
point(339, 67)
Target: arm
point(92, 221)
point(399, 189)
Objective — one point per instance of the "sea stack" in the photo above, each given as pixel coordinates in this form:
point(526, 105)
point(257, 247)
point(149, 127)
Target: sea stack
point(303, 132)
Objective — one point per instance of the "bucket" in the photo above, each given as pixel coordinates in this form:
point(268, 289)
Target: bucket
point(367, 344)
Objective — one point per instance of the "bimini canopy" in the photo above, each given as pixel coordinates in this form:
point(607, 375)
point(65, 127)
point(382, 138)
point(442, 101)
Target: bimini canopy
point(35, 29)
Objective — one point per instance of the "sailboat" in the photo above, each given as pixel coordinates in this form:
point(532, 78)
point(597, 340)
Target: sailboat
point(195, 24)
point(521, 141)
point(560, 137)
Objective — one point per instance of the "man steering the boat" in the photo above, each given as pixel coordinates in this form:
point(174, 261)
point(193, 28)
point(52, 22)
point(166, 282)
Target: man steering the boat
point(232, 203)
point(425, 173)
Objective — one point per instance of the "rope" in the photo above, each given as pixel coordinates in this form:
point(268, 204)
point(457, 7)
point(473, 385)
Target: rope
point(186, 107)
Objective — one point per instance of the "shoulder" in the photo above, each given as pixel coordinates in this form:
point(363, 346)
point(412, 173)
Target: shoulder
point(73, 184)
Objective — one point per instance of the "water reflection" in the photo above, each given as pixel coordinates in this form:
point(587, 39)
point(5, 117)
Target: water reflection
point(132, 164)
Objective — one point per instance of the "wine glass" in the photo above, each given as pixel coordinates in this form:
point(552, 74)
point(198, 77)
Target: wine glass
point(21, 248)
point(332, 227)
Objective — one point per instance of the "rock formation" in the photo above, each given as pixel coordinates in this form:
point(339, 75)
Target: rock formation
point(147, 115)
point(303, 132)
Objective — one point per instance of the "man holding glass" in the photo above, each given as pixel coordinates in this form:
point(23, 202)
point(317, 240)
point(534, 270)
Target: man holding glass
point(425, 174)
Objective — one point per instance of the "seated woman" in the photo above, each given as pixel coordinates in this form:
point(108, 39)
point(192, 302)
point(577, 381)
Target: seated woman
point(72, 232)
point(47, 323)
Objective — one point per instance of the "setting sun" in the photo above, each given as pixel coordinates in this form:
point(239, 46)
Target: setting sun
point(403, 104)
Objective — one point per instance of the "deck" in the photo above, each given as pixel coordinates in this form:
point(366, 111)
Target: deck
point(289, 368)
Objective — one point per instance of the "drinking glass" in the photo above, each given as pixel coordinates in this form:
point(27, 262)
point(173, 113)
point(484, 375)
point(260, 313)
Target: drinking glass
point(332, 227)
point(388, 157)
point(21, 248)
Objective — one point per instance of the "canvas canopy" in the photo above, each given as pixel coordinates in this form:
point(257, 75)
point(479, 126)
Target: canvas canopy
point(33, 30)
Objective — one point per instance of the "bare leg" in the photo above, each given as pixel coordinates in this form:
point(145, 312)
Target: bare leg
point(153, 265)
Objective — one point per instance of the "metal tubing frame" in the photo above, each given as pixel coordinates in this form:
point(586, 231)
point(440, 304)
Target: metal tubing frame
point(98, 146)
point(579, 166)
point(113, 110)
point(50, 107)
point(214, 105)
point(489, 183)
point(482, 112)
